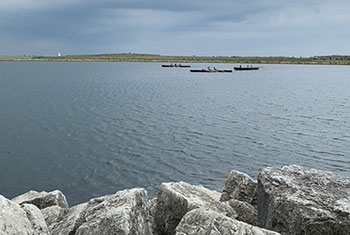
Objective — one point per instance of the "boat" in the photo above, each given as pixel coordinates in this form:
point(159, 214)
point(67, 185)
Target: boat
point(175, 66)
point(240, 68)
point(211, 71)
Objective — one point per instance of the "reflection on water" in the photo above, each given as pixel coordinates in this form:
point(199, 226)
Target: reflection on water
point(93, 129)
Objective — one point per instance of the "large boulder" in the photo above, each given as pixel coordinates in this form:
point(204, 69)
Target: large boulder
point(239, 186)
point(26, 219)
point(42, 199)
point(36, 219)
point(204, 222)
point(151, 210)
point(245, 211)
point(65, 222)
point(294, 200)
point(174, 200)
point(240, 191)
point(53, 215)
point(123, 213)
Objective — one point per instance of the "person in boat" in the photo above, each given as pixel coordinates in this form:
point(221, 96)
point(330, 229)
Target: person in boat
point(208, 69)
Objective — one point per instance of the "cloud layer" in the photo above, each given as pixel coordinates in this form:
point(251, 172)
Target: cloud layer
point(222, 27)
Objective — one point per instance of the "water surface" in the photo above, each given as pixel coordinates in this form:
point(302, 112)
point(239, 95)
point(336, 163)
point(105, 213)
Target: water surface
point(91, 129)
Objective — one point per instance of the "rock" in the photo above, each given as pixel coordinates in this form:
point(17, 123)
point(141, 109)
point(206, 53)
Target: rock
point(36, 218)
point(123, 213)
point(174, 200)
point(151, 210)
point(67, 221)
point(239, 186)
point(16, 220)
point(43, 199)
point(204, 222)
point(291, 200)
point(245, 212)
point(295, 200)
point(53, 214)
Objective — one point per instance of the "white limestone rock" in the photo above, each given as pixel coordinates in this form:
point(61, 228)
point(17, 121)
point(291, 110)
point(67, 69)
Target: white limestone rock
point(42, 199)
point(67, 221)
point(25, 220)
point(151, 207)
point(239, 186)
point(174, 200)
point(53, 214)
point(206, 222)
point(295, 200)
point(245, 211)
point(36, 219)
point(123, 213)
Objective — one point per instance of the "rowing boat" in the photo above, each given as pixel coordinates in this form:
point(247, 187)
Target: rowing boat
point(175, 66)
point(211, 71)
point(240, 68)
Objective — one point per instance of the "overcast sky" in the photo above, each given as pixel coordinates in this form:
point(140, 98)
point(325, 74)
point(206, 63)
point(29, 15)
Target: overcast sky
point(181, 27)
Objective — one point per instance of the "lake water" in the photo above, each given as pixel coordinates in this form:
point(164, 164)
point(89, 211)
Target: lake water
point(91, 129)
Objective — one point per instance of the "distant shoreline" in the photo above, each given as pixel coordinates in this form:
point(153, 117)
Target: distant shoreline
point(315, 60)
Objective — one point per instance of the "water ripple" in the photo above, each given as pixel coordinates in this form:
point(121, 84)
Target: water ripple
point(93, 129)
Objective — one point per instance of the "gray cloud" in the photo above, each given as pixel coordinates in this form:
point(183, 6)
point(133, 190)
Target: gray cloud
point(223, 27)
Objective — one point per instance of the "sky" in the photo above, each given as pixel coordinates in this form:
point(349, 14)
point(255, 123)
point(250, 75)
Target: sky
point(182, 27)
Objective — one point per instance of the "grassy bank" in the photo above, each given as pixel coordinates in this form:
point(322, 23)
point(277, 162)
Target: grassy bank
point(319, 60)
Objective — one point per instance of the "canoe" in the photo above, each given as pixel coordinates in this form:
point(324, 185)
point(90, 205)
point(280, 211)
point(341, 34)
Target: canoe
point(211, 71)
point(240, 68)
point(175, 66)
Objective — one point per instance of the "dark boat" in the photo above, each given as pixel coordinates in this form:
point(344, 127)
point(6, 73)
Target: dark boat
point(175, 66)
point(240, 68)
point(211, 71)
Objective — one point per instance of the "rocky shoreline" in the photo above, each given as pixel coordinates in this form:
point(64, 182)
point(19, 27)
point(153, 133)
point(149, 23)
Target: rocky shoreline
point(289, 200)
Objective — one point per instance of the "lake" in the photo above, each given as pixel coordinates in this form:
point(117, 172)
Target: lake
point(91, 129)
